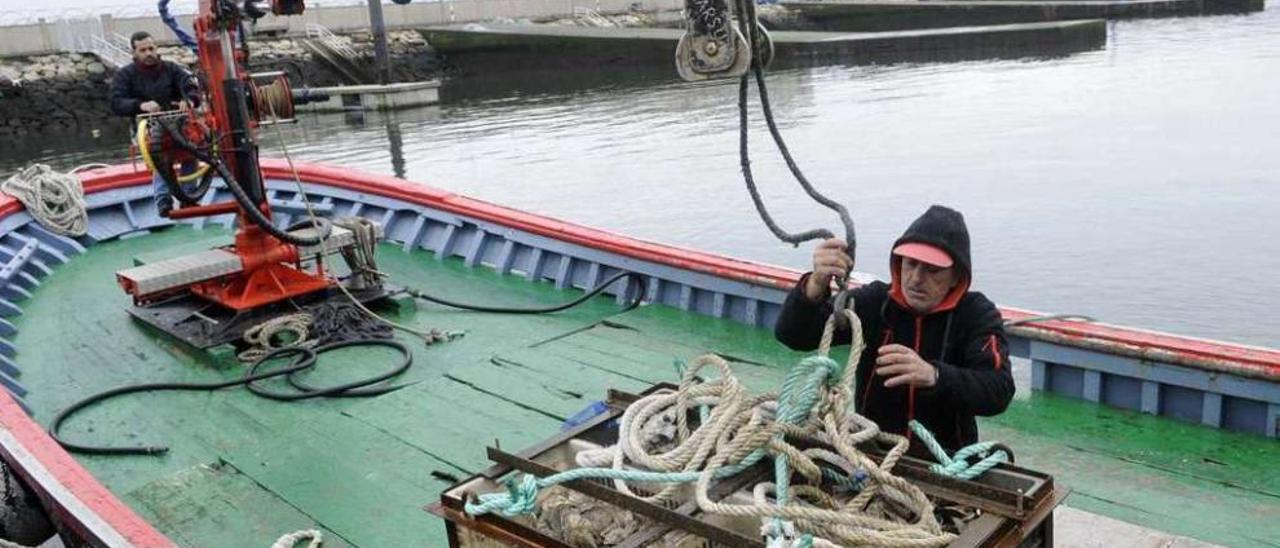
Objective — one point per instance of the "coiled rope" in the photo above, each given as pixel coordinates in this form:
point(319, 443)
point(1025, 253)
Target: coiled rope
point(266, 337)
point(291, 539)
point(737, 432)
point(55, 200)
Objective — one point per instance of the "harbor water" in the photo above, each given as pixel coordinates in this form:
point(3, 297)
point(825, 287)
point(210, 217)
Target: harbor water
point(1136, 184)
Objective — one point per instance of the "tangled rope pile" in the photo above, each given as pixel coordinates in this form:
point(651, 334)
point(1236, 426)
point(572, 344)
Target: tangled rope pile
point(56, 200)
point(658, 445)
point(319, 324)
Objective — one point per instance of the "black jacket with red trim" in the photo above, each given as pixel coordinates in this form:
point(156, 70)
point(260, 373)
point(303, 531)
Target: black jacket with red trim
point(963, 337)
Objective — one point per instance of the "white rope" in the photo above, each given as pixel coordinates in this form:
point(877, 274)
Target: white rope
point(293, 538)
point(654, 435)
point(55, 200)
point(262, 337)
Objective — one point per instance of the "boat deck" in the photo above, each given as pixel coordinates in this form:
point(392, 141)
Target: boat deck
point(244, 470)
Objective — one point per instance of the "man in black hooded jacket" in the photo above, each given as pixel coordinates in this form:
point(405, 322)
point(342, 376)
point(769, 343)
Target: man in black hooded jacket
point(936, 352)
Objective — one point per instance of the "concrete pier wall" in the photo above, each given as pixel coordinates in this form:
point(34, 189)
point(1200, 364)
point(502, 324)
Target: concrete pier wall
point(45, 37)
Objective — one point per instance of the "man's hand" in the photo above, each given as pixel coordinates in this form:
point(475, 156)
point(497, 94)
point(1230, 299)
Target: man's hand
point(903, 366)
point(150, 106)
point(829, 260)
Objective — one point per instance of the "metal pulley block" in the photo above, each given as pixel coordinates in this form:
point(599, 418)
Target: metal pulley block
point(711, 47)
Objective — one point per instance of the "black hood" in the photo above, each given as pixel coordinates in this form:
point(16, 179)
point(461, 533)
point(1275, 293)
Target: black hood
point(942, 227)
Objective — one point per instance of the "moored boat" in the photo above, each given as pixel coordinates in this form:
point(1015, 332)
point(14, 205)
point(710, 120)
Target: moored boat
point(243, 470)
point(210, 455)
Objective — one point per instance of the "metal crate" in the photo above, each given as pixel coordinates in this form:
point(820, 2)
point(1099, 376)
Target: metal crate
point(1014, 504)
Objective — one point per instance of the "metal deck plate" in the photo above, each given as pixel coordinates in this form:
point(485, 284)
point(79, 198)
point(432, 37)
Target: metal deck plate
point(181, 271)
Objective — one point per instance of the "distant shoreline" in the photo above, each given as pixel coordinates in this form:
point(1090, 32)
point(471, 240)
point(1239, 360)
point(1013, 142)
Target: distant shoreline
point(67, 92)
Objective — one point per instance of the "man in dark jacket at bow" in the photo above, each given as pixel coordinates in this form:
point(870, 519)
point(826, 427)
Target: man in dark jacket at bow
point(148, 85)
point(936, 352)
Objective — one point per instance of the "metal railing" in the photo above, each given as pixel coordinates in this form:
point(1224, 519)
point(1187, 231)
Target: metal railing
point(592, 17)
point(336, 43)
point(108, 51)
point(86, 35)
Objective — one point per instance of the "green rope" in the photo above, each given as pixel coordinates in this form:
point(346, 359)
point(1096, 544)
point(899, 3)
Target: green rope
point(800, 392)
point(958, 466)
point(519, 499)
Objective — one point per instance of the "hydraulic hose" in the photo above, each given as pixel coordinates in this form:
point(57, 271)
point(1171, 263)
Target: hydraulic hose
point(251, 209)
point(356, 389)
point(304, 359)
point(631, 276)
point(151, 151)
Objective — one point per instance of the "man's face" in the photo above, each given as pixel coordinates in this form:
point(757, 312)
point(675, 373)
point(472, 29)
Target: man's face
point(144, 52)
point(925, 285)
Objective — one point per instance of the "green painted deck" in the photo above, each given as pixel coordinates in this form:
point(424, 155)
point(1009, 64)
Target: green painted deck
point(244, 470)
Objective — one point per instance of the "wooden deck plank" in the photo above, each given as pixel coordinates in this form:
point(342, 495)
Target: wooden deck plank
point(651, 356)
point(214, 505)
point(454, 421)
point(360, 482)
point(708, 334)
point(558, 387)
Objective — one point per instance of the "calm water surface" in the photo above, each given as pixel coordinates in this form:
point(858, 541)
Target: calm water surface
point(1136, 184)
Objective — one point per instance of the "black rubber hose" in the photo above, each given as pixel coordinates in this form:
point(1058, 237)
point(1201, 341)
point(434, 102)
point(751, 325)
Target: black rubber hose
point(321, 224)
point(632, 276)
point(251, 209)
point(164, 167)
point(306, 360)
point(259, 218)
point(354, 389)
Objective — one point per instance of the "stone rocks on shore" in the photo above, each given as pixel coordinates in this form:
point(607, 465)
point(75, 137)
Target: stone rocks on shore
point(68, 92)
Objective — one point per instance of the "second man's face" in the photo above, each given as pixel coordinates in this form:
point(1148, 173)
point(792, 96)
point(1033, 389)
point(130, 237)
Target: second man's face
point(144, 52)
